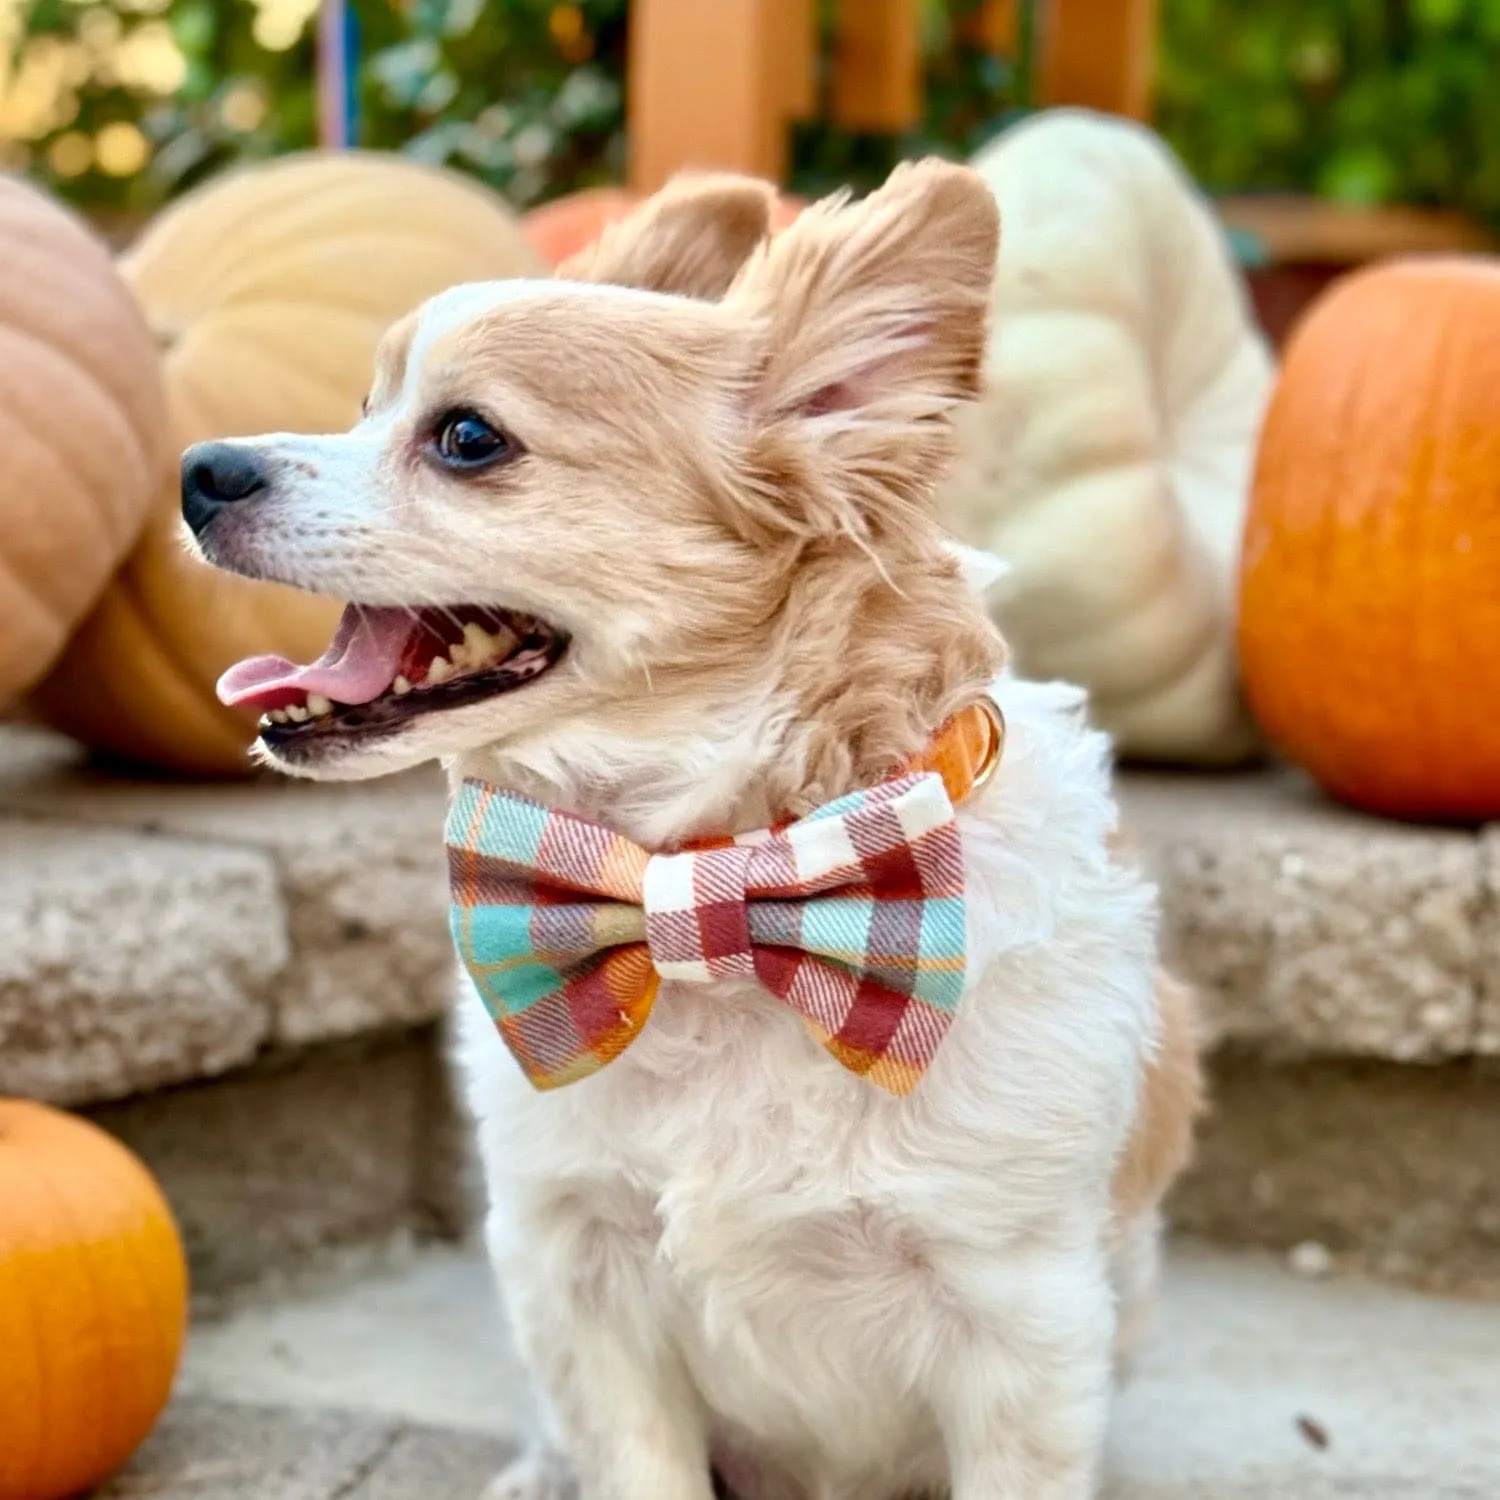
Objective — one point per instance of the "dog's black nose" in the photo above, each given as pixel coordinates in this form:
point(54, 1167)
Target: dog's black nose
point(215, 475)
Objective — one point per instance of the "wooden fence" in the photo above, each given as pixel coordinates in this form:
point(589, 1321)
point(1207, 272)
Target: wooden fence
point(717, 83)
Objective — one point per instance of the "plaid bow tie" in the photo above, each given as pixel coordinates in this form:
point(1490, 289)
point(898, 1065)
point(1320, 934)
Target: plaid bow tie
point(852, 915)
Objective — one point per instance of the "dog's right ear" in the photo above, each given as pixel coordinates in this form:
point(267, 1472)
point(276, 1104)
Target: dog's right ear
point(690, 239)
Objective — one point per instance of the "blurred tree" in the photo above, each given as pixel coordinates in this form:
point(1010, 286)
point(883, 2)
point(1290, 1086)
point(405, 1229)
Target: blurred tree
point(120, 103)
point(1364, 101)
point(123, 103)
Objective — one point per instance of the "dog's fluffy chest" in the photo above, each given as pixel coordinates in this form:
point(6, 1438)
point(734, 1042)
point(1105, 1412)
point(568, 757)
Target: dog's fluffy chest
point(784, 1219)
point(814, 1253)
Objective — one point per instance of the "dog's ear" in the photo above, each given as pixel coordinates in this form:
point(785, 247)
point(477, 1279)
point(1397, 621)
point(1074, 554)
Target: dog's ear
point(691, 239)
point(875, 316)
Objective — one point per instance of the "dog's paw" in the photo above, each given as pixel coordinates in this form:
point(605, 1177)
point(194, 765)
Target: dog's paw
point(533, 1476)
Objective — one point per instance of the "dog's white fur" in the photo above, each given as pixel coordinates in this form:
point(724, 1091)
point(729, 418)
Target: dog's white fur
point(725, 1241)
point(724, 1247)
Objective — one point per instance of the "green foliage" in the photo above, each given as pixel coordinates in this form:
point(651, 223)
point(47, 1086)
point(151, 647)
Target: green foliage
point(1364, 101)
point(969, 95)
point(525, 94)
point(1361, 100)
point(221, 98)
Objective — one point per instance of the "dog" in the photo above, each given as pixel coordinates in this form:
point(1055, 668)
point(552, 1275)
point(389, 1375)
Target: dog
point(654, 543)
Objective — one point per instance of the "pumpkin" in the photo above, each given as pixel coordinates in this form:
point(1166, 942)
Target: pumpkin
point(93, 1303)
point(563, 227)
point(560, 229)
point(83, 439)
point(1370, 579)
point(1109, 459)
point(268, 291)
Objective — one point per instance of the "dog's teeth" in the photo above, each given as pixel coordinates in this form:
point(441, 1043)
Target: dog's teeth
point(440, 670)
point(481, 644)
point(297, 714)
point(318, 704)
point(277, 716)
point(401, 685)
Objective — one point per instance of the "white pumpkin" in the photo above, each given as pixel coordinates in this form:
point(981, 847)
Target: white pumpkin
point(1109, 460)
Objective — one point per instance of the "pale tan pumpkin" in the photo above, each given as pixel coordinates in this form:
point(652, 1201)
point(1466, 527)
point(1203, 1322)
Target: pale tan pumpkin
point(268, 291)
point(1109, 460)
point(93, 1303)
point(83, 440)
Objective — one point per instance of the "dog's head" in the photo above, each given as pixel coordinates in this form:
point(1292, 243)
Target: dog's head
point(687, 485)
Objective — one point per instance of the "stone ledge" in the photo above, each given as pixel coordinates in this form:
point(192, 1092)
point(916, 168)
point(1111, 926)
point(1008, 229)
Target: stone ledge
point(128, 961)
point(275, 1171)
point(213, 1450)
point(1394, 1170)
point(1311, 930)
point(345, 934)
point(160, 932)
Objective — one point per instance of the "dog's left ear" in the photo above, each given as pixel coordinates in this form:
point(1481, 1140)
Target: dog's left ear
point(690, 239)
point(875, 316)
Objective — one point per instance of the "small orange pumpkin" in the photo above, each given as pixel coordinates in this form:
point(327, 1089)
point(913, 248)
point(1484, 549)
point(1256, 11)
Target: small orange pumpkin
point(93, 1303)
point(566, 225)
point(1370, 572)
point(83, 431)
point(561, 228)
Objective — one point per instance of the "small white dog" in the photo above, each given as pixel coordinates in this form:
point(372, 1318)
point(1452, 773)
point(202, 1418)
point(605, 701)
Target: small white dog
point(654, 544)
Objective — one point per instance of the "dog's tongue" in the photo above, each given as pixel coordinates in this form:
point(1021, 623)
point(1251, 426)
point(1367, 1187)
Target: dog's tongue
point(357, 667)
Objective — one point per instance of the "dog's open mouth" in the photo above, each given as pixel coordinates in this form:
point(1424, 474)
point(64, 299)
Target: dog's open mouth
point(387, 666)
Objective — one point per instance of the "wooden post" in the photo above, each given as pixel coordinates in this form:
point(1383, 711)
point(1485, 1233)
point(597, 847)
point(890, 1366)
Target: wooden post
point(1099, 54)
point(877, 69)
point(708, 87)
point(996, 26)
point(795, 53)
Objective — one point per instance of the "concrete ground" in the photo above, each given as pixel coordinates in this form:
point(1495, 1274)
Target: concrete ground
point(1256, 1384)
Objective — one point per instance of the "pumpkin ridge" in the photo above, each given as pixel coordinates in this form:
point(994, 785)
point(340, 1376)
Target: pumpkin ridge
point(89, 1457)
point(10, 1251)
point(45, 1408)
point(78, 375)
point(90, 306)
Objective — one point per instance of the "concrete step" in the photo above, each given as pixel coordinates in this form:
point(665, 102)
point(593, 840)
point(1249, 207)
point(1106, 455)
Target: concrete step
point(1349, 970)
point(187, 960)
point(1254, 1384)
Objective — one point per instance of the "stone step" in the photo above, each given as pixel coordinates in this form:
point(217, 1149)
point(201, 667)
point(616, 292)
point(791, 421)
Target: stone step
point(1253, 1384)
point(1349, 970)
point(290, 941)
point(154, 933)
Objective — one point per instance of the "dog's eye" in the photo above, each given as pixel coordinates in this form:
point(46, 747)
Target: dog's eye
point(466, 441)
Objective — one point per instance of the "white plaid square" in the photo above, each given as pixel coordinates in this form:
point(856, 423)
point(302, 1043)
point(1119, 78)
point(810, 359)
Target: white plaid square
point(668, 883)
point(821, 848)
point(923, 810)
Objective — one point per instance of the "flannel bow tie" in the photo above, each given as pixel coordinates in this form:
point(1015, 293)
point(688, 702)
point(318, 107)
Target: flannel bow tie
point(852, 915)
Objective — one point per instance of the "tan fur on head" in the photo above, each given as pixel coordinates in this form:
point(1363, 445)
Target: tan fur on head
point(691, 239)
point(728, 446)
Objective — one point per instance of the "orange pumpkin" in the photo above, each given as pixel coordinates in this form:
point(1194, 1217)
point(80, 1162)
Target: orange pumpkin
point(83, 438)
point(567, 225)
point(562, 228)
point(1370, 573)
point(93, 1303)
point(268, 291)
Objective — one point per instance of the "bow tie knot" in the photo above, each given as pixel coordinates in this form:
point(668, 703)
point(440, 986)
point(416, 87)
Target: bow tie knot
point(698, 914)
